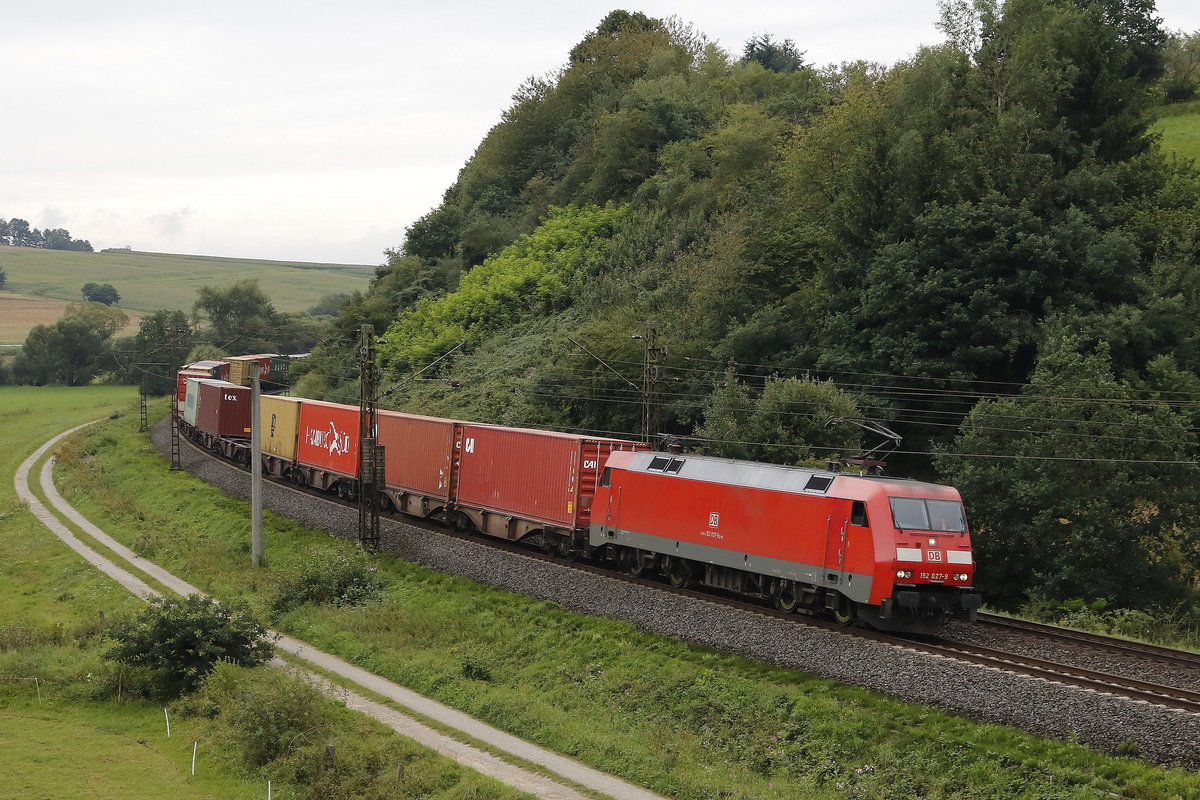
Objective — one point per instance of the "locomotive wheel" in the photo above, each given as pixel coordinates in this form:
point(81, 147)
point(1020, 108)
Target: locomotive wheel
point(787, 599)
point(843, 612)
point(636, 567)
point(679, 575)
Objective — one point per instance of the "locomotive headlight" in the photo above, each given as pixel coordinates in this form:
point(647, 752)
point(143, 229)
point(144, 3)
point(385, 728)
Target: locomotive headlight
point(904, 573)
point(960, 576)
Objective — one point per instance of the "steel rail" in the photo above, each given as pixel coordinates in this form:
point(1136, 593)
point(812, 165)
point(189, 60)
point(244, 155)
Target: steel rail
point(1098, 640)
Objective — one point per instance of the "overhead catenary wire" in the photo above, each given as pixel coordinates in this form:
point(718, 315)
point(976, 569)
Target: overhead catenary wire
point(630, 394)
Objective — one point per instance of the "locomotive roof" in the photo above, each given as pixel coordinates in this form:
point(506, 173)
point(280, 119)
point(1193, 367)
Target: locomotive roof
point(778, 477)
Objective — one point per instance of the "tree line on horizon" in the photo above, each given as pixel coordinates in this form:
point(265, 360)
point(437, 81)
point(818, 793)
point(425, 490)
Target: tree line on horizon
point(16, 232)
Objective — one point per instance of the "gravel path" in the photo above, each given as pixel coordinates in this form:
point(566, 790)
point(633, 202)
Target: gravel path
point(1161, 735)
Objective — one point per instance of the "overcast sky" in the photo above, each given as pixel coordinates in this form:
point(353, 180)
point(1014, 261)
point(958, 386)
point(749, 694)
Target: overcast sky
point(318, 131)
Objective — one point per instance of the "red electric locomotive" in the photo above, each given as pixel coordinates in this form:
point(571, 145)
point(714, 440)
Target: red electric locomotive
point(893, 553)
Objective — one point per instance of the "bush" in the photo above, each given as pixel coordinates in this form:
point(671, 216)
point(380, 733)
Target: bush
point(331, 575)
point(181, 640)
point(262, 714)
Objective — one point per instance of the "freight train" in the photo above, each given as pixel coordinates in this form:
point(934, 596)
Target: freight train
point(892, 553)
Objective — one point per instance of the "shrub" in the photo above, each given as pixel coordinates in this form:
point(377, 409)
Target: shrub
point(181, 640)
point(331, 575)
point(263, 714)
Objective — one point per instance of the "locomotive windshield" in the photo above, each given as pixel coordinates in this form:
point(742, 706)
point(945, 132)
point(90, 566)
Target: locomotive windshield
point(920, 514)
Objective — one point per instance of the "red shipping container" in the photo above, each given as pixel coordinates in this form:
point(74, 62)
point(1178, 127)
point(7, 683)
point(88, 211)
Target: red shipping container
point(328, 437)
point(543, 476)
point(418, 453)
point(224, 409)
point(182, 378)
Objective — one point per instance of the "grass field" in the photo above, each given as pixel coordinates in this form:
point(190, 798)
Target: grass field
point(55, 745)
point(1179, 127)
point(1181, 135)
point(148, 282)
point(68, 736)
point(19, 314)
point(687, 722)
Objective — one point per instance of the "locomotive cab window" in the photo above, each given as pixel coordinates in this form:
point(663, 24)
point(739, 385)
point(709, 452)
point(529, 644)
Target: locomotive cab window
point(606, 477)
point(658, 463)
point(915, 513)
point(858, 514)
point(674, 467)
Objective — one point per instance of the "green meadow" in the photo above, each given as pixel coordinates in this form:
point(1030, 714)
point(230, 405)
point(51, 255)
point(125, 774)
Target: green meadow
point(151, 281)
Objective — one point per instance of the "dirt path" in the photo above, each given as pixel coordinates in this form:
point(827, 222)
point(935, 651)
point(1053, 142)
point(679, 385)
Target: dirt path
point(473, 757)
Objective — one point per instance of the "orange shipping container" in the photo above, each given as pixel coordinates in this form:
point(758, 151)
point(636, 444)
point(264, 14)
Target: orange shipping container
point(418, 453)
point(542, 476)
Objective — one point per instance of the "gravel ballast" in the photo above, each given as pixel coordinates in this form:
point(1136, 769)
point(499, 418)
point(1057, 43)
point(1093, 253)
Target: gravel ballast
point(1106, 722)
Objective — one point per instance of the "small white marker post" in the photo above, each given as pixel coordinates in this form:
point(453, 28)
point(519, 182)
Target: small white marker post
point(194, 746)
point(37, 685)
point(268, 790)
point(168, 719)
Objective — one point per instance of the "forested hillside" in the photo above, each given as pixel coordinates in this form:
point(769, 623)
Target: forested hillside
point(981, 247)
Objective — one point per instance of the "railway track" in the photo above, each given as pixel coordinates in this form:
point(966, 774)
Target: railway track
point(1181, 699)
point(1149, 652)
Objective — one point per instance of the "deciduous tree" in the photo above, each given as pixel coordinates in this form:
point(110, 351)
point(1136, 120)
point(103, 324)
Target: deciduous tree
point(104, 293)
point(1077, 487)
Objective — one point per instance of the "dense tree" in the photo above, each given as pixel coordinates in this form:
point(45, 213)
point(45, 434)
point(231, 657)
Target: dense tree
point(788, 421)
point(60, 239)
point(159, 348)
point(916, 231)
point(17, 233)
point(104, 293)
point(180, 640)
point(1078, 486)
point(329, 305)
point(241, 318)
point(1181, 66)
point(775, 56)
point(73, 350)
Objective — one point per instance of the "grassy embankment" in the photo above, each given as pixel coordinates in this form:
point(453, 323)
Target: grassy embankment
point(686, 721)
point(148, 282)
point(73, 734)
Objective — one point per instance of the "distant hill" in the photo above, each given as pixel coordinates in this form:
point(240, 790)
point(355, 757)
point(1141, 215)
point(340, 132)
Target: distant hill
point(151, 281)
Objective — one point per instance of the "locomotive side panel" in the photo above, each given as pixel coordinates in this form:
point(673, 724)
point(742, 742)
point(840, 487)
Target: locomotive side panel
point(766, 531)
